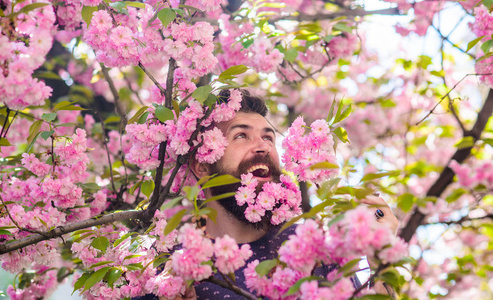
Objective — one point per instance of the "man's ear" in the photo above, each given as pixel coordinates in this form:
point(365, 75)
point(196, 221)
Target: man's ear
point(199, 169)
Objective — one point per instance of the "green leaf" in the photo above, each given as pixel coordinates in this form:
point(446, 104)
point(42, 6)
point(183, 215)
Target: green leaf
point(112, 119)
point(31, 7)
point(80, 238)
point(100, 243)
point(101, 263)
point(171, 203)
point(341, 133)
point(211, 100)
point(163, 114)
point(465, 142)
point(34, 130)
point(46, 75)
point(147, 187)
point(191, 192)
point(166, 16)
point(132, 256)
point(486, 46)
point(138, 114)
point(220, 180)
point(341, 116)
point(231, 72)
point(174, 221)
point(162, 258)
point(135, 4)
point(113, 275)
point(296, 287)
point(135, 187)
point(455, 195)
point(488, 4)
point(61, 105)
point(95, 278)
point(48, 117)
point(219, 197)
point(406, 201)
point(342, 26)
point(80, 282)
point(264, 267)
point(328, 38)
point(202, 93)
point(313, 211)
point(291, 54)
point(391, 276)
point(348, 267)
point(5, 232)
point(119, 6)
point(210, 212)
point(46, 134)
point(87, 12)
point(374, 297)
point(371, 176)
point(122, 238)
point(143, 118)
point(324, 165)
point(4, 142)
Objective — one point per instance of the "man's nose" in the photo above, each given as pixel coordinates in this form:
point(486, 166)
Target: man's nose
point(261, 146)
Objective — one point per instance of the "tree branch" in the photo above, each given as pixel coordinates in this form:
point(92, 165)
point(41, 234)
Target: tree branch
point(447, 175)
point(329, 16)
point(234, 288)
point(61, 230)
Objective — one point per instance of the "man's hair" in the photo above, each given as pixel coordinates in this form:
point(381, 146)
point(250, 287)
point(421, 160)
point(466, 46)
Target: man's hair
point(249, 103)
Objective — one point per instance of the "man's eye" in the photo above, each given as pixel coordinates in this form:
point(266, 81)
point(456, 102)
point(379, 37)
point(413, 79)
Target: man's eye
point(240, 136)
point(268, 138)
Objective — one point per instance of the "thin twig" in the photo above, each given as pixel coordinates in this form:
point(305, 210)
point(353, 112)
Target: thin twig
point(129, 84)
point(159, 86)
point(118, 105)
point(4, 126)
point(448, 93)
point(107, 152)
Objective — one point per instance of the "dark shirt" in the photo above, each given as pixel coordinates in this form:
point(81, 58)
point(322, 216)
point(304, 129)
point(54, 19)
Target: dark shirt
point(263, 249)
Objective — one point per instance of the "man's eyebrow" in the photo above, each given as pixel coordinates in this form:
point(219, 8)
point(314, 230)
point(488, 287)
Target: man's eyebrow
point(248, 127)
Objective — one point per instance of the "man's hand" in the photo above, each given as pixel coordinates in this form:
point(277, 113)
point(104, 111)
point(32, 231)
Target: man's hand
point(391, 221)
point(388, 217)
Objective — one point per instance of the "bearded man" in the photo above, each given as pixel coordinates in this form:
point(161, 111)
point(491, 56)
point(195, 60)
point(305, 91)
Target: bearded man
point(251, 149)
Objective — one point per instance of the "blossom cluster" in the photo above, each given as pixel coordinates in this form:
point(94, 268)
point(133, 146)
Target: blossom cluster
point(262, 55)
point(229, 256)
point(282, 199)
point(305, 150)
point(44, 286)
point(177, 133)
point(188, 262)
point(359, 234)
point(24, 51)
point(470, 177)
point(356, 235)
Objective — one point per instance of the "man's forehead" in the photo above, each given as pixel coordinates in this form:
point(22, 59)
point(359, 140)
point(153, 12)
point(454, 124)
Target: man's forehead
point(247, 121)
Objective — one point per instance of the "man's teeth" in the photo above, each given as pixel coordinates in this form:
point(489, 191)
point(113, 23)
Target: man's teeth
point(260, 170)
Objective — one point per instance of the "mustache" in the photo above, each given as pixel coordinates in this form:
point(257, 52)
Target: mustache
point(274, 169)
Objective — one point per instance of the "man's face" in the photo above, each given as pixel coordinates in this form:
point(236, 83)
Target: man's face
point(251, 149)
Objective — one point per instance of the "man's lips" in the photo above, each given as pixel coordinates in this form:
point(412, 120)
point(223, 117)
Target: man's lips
point(260, 171)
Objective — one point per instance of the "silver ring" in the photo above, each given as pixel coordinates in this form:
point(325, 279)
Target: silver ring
point(379, 214)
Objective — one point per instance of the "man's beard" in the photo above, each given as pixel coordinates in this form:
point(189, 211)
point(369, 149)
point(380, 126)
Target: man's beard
point(230, 205)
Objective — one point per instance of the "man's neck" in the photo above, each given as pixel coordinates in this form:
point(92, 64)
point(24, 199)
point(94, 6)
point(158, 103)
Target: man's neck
point(227, 224)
